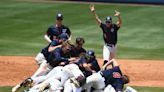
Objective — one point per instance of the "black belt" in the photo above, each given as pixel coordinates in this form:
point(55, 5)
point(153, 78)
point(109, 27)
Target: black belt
point(111, 45)
point(101, 73)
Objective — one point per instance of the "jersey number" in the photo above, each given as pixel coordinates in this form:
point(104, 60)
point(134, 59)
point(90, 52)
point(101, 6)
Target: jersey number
point(116, 75)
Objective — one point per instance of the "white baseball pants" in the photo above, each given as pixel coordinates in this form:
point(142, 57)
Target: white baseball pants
point(109, 52)
point(69, 71)
point(96, 81)
point(40, 58)
point(55, 73)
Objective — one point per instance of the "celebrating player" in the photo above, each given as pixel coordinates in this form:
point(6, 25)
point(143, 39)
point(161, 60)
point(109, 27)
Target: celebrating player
point(109, 34)
point(111, 80)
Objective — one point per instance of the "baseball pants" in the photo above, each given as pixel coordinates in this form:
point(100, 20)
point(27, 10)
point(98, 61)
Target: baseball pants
point(55, 73)
point(40, 58)
point(109, 52)
point(69, 71)
point(96, 81)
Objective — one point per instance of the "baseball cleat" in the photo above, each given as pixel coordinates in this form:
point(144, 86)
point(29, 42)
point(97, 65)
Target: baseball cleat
point(75, 82)
point(14, 89)
point(26, 82)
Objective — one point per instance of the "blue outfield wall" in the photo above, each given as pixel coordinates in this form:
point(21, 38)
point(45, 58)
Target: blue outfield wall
point(128, 1)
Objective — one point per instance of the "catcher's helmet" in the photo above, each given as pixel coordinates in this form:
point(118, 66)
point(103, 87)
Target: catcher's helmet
point(59, 16)
point(90, 53)
point(108, 19)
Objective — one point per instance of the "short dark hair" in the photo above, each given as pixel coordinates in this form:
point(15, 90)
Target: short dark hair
point(125, 79)
point(79, 40)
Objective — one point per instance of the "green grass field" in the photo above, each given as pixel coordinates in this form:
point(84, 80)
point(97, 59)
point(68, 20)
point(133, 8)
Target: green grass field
point(139, 89)
point(23, 25)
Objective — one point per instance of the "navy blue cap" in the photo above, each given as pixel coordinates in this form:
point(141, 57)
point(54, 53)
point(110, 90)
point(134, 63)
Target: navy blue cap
point(59, 16)
point(64, 36)
point(108, 19)
point(90, 53)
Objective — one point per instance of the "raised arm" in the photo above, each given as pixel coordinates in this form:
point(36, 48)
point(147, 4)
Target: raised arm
point(113, 62)
point(119, 21)
point(92, 9)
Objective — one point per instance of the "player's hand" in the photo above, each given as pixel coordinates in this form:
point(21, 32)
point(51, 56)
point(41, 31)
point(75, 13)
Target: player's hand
point(103, 68)
point(62, 63)
point(72, 59)
point(92, 8)
point(117, 13)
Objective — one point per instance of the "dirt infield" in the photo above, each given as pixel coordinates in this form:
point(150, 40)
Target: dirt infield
point(13, 69)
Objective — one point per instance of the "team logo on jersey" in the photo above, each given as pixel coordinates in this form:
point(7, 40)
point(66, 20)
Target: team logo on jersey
point(64, 30)
point(116, 75)
point(112, 30)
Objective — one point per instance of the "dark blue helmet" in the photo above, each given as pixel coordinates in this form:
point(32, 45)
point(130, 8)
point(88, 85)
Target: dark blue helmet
point(64, 36)
point(108, 19)
point(90, 53)
point(59, 16)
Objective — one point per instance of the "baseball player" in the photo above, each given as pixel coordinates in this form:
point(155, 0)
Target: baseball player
point(78, 49)
point(55, 58)
point(88, 65)
point(113, 77)
point(109, 30)
point(43, 55)
point(49, 36)
point(52, 79)
point(49, 85)
point(60, 75)
point(57, 78)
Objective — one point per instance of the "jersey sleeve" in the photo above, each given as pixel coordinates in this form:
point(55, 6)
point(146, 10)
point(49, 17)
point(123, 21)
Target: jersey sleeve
point(68, 31)
point(49, 31)
point(95, 66)
point(81, 61)
point(102, 26)
point(57, 58)
point(53, 43)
